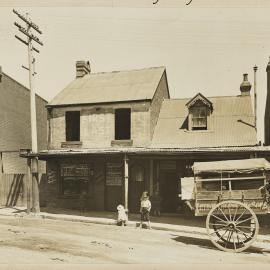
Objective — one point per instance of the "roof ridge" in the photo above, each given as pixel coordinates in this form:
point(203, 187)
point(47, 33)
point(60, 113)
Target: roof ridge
point(174, 99)
point(118, 71)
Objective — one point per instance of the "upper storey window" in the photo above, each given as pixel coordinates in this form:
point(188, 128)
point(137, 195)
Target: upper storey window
point(199, 109)
point(122, 124)
point(72, 126)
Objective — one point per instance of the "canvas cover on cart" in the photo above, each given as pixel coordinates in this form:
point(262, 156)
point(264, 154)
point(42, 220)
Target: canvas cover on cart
point(231, 166)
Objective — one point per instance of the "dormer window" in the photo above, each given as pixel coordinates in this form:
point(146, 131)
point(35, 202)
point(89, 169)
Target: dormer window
point(199, 117)
point(199, 110)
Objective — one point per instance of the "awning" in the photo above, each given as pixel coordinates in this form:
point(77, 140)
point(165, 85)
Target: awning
point(155, 151)
point(231, 166)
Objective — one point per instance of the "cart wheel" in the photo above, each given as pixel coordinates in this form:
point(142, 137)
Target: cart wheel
point(232, 226)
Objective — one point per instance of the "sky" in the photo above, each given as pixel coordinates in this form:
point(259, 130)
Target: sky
point(204, 48)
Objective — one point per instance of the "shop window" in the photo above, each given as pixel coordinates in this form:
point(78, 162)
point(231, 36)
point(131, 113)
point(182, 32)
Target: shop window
point(74, 179)
point(122, 124)
point(72, 126)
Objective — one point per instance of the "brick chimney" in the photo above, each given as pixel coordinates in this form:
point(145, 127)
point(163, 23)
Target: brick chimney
point(82, 68)
point(245, 86)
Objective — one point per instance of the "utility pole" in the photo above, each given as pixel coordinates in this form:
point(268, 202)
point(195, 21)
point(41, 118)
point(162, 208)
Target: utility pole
point(255, 68)
point(32, 159)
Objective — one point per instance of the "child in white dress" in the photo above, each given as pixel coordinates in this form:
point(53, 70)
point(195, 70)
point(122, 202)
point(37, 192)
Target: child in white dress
point(122, 217)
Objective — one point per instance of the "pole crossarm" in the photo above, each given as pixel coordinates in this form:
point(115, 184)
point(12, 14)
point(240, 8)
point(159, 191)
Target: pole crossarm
point(26, 43)
point(31, 24)
point(31, 36)
point(23, 41)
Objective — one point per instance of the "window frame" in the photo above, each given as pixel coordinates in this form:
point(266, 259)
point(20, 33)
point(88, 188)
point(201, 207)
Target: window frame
point(75, 176)
point(117, 132)
point(198, 116)
point(69, 125)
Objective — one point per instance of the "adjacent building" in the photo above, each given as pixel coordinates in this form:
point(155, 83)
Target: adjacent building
point(113, 135)
point(15, 134)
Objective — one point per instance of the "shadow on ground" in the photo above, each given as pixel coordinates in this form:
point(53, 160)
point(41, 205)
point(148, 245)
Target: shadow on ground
point(206, 243)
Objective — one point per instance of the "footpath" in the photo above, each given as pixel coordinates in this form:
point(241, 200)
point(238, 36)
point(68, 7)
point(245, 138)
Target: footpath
point(166, 222)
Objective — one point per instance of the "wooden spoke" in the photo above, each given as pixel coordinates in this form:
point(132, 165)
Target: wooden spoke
point(236, 209)
point(216, 230)
point(239, 239)
point(222, 235)
point(220, 219)
point(248, 227)
point(230, 215)
point(246, 236)
point(228, 238)
point(241, 215)
point(233, 242)
point(223, 213)
point(217, 224)
point(242, 221)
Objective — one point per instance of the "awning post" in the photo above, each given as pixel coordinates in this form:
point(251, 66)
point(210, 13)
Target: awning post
point(126, 180)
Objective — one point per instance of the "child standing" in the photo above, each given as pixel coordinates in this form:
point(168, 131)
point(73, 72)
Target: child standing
point(122, 215)
point(145, 209)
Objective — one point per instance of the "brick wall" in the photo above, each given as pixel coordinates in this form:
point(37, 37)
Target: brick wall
point(97, 124)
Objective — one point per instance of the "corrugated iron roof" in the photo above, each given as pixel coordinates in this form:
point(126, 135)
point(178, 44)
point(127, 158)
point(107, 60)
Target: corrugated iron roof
point(232, 124)
point(111, 87)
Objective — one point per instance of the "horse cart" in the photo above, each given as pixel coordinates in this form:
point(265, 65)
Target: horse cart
point(231, 194)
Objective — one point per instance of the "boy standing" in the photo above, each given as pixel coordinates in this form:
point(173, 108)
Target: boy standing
point(145, 209)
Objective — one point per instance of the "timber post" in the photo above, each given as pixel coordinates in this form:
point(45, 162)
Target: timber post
point(151, 180)
point(126, 173)
point(28, 189)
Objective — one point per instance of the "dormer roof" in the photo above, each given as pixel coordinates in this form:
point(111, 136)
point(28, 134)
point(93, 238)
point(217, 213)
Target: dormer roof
point(201, 98)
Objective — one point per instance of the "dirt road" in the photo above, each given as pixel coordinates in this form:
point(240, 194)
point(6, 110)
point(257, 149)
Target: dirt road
point(35, 240)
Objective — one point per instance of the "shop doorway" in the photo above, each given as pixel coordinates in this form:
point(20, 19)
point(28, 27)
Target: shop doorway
point(168, 187)
point(136, 187)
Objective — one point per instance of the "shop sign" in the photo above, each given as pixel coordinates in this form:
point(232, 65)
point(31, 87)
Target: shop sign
point(74, 170)
point(114, 174)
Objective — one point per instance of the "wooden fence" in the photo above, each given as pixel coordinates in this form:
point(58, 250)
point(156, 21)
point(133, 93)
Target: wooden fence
point(13, 191)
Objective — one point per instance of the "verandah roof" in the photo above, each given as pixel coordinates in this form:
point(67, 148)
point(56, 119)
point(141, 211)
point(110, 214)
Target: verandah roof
point(155, 151)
